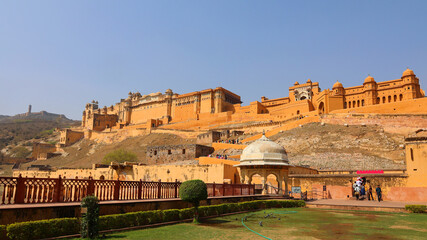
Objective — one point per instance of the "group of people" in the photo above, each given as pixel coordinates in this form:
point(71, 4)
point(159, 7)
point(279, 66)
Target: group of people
point(237, 141)
point(218, 156)
point(361, 193)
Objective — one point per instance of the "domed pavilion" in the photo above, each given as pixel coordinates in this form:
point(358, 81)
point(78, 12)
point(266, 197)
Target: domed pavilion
point(265, 157)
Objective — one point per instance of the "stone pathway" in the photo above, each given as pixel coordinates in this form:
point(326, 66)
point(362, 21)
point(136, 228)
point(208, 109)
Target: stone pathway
point(363, 203)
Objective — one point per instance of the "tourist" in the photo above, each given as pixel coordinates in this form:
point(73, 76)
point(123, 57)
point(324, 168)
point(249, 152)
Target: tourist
point(379, 193)
point(357, 191)
point(362, 192)
point(370, 196)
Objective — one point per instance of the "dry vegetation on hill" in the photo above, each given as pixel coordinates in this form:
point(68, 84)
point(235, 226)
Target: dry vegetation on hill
point(340, 147)
point(85, 153)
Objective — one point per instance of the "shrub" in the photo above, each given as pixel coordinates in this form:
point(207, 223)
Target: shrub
point(3, 232)
point(416, 208)
point(119, 156)
point(186, 213)
point(194, 191)
point(90, 219)
point(43, 229)
point(170, 215)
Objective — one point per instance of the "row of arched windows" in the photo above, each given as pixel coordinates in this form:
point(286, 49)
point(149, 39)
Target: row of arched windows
point(384, 99)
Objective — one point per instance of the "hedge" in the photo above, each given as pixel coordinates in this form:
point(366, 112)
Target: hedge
point(3, 232)
point(416, 208)
point(43, 228)
point(68, 226)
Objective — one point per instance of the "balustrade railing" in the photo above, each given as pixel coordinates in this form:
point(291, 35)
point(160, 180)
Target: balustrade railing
point(19, 190)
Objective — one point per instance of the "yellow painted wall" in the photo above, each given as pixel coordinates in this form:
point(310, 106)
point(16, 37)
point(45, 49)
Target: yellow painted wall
point(416, 163)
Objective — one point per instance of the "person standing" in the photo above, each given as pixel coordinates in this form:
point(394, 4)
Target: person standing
point(362, 192)
point(357, 192)
point(370, 196)
point(379, 193)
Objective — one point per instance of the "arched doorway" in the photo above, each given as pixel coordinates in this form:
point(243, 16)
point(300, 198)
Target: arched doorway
point(272, 184)
point(321, 108)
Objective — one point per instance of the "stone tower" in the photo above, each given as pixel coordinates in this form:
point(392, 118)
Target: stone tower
point(29, 110)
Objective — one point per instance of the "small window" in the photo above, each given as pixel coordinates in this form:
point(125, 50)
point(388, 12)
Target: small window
point(155, 152)
point(183, 151)
point(169, 152)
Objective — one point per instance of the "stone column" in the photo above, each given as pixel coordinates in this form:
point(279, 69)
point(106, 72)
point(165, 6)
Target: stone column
point(264, 182)
point(286, 180)
point(279, 183)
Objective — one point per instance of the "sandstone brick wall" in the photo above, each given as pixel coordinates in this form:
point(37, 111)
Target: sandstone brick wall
point(395, 123)
point(174, 153)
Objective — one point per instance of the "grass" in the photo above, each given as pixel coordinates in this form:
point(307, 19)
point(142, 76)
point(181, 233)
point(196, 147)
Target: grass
point(304, 224)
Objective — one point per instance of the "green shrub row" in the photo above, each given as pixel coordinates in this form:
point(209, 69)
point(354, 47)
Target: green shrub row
point(43, 228)
point(3, 232)
point(416, 208)
point(67, 226)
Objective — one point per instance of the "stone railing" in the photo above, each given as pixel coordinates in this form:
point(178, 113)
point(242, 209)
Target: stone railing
point(19, 190)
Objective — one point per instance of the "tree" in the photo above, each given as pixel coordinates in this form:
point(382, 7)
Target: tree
point(194, 191)
point(120, 156)
point(90, 217)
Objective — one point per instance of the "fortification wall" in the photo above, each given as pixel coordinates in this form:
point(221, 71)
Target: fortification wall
point(394, 123)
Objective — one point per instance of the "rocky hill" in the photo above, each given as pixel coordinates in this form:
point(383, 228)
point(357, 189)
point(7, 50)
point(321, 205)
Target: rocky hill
point(22, 129)
point(339, 147)
point(85, 153)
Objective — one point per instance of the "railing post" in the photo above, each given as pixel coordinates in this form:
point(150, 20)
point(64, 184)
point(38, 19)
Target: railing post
point(58, 188)
point(176, 188)
point(241, 189)
point(159, 189)
point(253, 189)
point(213, 189)
point(223, 189)
point(232, 189)
point(116, 189)
point(91, 187)
point(20, 190)
point(140, 189)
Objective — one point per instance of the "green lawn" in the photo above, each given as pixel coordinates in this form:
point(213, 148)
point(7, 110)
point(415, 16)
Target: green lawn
point(304, 224)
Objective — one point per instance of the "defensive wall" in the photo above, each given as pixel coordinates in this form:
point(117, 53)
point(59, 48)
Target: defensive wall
point(167, 154)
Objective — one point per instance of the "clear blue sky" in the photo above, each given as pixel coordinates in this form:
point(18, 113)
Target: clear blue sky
point(59, 55)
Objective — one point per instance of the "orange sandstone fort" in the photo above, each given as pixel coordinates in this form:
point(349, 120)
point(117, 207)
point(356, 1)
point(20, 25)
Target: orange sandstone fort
point(215, 107)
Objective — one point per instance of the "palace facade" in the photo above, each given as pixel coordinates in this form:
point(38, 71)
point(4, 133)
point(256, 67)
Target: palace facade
point(304, 99)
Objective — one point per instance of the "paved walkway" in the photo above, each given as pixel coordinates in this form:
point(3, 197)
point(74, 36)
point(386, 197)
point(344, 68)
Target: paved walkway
point(363, 203)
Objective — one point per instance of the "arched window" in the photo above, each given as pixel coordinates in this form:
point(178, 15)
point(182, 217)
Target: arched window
point(378, 100)
point(363, 102)
point(389, 99)
point(395, 98)
point(400, 97)
point(358, 103)
point(383, 99)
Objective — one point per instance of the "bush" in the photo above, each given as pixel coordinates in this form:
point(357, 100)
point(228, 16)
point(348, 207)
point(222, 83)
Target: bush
point(43, 229)
point(170, 215)
point(90, 219)
point(416, 208)
point(3, 232)
point(194, 191)
point(186, 213)
point(119, 156)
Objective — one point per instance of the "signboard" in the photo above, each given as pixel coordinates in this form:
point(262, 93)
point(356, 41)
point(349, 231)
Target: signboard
point(296, 189)
point(370, 172)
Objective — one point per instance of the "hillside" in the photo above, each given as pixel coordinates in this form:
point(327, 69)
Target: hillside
point(85, 153)
point(339, 147)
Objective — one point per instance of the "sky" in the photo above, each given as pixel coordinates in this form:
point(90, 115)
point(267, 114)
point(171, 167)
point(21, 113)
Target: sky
point(60, 55)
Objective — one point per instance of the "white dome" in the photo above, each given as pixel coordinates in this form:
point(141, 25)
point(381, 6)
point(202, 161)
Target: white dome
point(264, 152)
